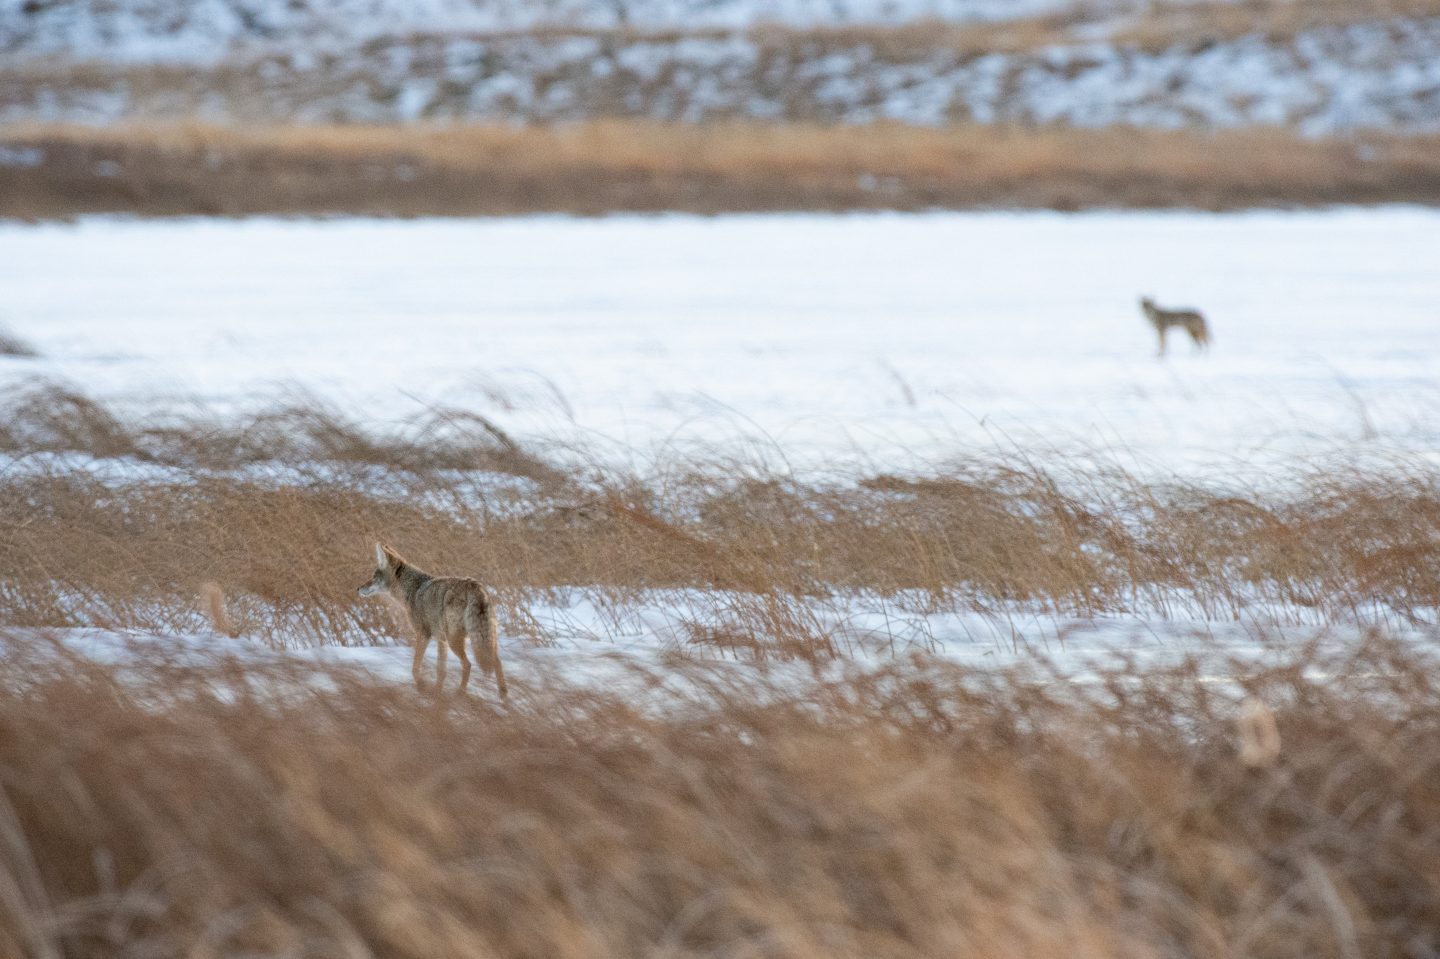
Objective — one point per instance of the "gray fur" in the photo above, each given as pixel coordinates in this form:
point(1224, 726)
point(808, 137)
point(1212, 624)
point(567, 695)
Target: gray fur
point(1191, 321)
point(447, 607)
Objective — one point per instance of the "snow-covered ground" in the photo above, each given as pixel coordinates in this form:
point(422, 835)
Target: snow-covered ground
point(889, 340)
point(881, 341)
point(644, 666)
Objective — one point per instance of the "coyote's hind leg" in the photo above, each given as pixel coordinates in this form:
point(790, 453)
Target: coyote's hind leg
point(422, 641)
point(457, 644)
point(442, 651)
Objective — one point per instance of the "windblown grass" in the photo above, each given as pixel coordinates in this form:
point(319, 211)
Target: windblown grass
point(1150, 24)
point(1166, 23)
point(281, 510)
point(245, 809)
point(610, 166)
point(12, 345)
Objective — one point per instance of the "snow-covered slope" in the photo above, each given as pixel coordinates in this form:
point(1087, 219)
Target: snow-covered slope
point(1377, 75)
point(201, 31)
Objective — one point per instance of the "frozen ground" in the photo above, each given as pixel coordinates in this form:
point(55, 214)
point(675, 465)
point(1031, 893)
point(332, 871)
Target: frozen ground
point(893, 340)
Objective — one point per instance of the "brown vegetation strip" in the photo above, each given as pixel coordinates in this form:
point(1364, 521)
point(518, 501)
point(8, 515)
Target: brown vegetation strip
point(1152, 25)
point(635, 166)
point(247, 810)
point(281, 512)
point(1167, 23)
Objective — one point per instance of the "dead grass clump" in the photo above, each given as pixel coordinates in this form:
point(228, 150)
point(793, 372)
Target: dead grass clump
point(12, 345)
point(1166, 23)
point(50, 417)
point(240, 808)
point(300, 433)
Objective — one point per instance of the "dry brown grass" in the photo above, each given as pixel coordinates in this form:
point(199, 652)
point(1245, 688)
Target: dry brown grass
point(241, 809)
point(12, 345)
point(283, 519)
point(1166, 23)
point(921, 38)
point(636, 166)
point(1150, 24)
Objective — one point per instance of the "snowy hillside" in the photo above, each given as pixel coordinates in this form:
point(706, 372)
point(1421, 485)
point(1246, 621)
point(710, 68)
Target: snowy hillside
point(1331, 79)
point(383, 61)
point(134, 30)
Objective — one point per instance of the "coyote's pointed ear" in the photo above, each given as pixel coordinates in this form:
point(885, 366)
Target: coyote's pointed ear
point(380, 561)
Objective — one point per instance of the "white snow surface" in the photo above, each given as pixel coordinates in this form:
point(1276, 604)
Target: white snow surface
point(652, 672)
point(880, 341)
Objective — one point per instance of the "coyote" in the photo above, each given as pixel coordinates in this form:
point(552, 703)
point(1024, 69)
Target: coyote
point(1191, 321)
point(445, 607)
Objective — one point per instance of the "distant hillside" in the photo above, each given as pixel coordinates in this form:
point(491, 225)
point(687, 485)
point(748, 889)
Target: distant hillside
point(1318, 67)
point(200, 31)
point(1376, 75)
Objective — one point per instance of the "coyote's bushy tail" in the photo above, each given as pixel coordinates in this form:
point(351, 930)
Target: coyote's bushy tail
point(485, 640)
point(214, 598)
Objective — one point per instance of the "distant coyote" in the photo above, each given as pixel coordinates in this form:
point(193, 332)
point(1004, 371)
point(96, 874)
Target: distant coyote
point(446, 607)
point(1191, 321)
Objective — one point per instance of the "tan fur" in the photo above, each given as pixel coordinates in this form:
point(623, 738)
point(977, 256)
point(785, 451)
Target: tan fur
point(214, 599)
point(445, 607)
point(1191, 321)
point(1259, 734)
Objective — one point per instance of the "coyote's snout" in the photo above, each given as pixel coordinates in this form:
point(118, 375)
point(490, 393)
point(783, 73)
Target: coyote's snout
point(444, 607)
point(1191, 321)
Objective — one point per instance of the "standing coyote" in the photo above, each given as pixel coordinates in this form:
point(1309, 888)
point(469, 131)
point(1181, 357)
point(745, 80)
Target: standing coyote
point(445, 607)
point(1191, 321)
